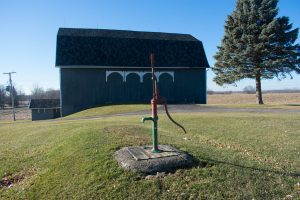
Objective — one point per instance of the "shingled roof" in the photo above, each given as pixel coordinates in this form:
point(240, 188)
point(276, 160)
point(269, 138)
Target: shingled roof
point(44, 103)
point(117, 48)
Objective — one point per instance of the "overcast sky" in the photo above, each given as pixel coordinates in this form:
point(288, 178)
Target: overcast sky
point(28, 31)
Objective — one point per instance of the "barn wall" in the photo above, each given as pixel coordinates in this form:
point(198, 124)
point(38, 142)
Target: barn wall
point(82, 89)
point(41, 114)
point(86, 88)
point(190, 86)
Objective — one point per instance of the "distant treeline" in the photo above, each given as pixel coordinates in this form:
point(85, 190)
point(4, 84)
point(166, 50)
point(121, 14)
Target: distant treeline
point(253, 91)
point(21, 99)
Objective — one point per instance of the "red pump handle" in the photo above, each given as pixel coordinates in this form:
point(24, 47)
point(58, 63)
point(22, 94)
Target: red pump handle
point(163, 101)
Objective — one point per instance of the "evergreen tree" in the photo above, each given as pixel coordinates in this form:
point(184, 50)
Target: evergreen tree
point(257, 45)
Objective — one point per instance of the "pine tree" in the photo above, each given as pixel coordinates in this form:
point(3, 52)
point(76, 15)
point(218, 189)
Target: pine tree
point(257, 45)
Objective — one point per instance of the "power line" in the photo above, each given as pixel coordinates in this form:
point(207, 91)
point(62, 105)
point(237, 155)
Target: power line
point(11, 94)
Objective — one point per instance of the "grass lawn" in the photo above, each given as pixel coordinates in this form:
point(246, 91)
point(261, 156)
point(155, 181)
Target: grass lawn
point(107, 110)
point(247, 156)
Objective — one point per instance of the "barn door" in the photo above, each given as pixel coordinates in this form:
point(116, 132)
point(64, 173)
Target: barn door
point(166, 87)
point(147, 88)
point(115, 88)
point(133, 88)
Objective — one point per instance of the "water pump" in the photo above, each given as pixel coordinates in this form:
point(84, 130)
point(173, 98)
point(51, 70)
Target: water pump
point(156, 99)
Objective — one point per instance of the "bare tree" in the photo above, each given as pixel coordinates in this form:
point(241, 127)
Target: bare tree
point(2, 96)
point(209, 91)
point(249, 89)
point(37, 92)
point(22, 97)
point(15, 94)
point(52, 94)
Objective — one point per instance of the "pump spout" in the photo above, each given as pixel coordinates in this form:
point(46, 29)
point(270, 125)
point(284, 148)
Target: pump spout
point(146, 119)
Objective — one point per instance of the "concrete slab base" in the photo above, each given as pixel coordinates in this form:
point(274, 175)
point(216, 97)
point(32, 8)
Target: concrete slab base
point(141, 159)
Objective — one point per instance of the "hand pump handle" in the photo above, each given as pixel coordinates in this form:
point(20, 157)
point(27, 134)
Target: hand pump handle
point(154, 81)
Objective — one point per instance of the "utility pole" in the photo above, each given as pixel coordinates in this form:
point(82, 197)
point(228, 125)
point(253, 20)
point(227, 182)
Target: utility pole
point(11, 93)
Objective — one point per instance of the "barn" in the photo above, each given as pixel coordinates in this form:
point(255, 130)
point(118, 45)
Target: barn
point(42, 109)
point(100, 66)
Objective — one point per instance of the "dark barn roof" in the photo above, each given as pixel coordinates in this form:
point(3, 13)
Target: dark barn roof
point(44, 103)
point(116, 48)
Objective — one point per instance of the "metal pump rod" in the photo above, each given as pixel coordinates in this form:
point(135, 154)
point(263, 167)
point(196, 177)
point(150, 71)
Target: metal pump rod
point(154, 117)
point(154, 101)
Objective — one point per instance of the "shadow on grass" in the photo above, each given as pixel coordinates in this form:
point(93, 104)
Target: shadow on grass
point(292, 174)
point(293, 105)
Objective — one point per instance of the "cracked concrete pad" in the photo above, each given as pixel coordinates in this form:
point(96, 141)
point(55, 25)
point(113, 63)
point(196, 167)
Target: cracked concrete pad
point(141, 159)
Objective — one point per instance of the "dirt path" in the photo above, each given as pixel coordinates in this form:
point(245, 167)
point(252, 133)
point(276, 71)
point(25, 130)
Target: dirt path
point(193, 108)
point(183, 108)
point(216, 108)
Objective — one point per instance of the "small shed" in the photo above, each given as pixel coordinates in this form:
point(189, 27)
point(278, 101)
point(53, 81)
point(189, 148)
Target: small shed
point(42, 109)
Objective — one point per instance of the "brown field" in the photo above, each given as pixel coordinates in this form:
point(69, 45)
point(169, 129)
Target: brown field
point(21, 114)
point(269, 98)
point(233, 99)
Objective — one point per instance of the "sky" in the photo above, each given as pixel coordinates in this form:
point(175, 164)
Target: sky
point(29, 28)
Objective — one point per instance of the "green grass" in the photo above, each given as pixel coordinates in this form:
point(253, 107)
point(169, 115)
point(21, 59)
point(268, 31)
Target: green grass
point(107, 110)
point(248, 155)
